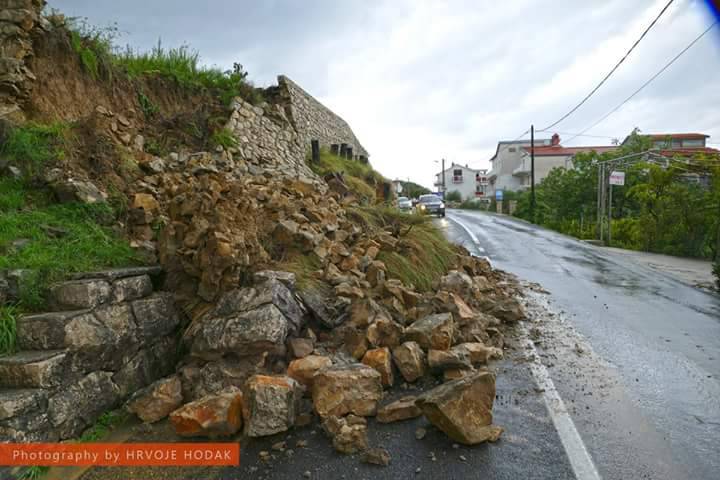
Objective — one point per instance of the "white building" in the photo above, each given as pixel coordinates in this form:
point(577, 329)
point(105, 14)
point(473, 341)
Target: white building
point(469, 182)
point(511, 165)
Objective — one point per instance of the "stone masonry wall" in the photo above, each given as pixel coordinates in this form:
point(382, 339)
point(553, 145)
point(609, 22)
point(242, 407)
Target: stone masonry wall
point(110, 336)
point(314, 121)
point(17, 19)
point(267, 141)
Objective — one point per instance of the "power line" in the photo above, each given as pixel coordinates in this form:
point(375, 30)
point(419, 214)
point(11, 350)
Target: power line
point(597, 87)
point(581, 135)
point(667, 65)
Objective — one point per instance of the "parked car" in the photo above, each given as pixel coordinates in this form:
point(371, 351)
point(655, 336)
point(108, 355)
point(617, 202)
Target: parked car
point(431, 205)
point(404, 204)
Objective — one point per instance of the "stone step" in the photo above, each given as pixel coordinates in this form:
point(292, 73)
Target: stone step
point(118, 273)
point(33, 369)
point(44, 331)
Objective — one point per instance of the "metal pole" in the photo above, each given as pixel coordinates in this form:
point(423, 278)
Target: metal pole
point(599, 216)
point(601, 213)
point(609, 213)
point(532, 172)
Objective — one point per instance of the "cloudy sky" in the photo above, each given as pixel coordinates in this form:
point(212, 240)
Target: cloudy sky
point(421, 80)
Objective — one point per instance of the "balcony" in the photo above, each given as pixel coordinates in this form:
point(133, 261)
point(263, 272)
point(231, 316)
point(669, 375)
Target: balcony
point(521, 171)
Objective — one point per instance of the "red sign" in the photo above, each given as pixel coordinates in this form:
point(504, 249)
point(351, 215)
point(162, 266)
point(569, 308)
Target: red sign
point(119, 454)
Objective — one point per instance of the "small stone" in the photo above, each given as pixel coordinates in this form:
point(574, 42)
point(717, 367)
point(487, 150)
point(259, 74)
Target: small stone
point(158, 400)
point(279, 446)
point(376, 456)
point(418, 470)
point(301, 444)
point(300, 347)
point(410, 360)
point(463, 458)
point(349, 434)
point(213, 415)
point(402, 409)
point(420, 433)
point(307, 474)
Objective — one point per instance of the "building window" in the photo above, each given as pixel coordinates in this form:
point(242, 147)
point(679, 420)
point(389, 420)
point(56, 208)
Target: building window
point(457, 176)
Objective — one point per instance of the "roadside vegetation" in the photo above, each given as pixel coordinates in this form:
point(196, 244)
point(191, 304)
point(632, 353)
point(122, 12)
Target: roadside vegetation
point(413, 190)
point(102, 59)
point(360, 177)
point(423, 254)
point(673, 210)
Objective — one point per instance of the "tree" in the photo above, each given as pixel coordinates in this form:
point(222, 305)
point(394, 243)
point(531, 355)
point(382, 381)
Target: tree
point(413, 190)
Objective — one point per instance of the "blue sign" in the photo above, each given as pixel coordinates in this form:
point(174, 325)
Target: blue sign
point(498, 195)
point(439, 194)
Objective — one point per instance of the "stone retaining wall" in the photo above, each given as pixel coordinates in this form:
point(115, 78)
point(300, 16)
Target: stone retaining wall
point(110, 336)
point(17, 19)
point(314, 121)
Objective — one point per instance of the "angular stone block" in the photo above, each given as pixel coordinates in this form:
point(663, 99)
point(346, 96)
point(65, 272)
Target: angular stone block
point(81, 294)
point(131, 288)
point(33, 369)
point(211, 416)
point(434, 331)
point(270, 404)
point(344, 389)
point(155, 316)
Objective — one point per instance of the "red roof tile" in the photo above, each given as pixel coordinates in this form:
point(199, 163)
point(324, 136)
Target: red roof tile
point(678, 136)
point(560, 150)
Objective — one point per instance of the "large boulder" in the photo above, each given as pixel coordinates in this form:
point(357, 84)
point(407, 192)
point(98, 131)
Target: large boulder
point(270, 404)
point(434, 331)
point(211, 416)
point(344, 389)
point(380, 360)
point(158, 400)
point(462, 408)
point(303, 369)
point(327, 309)
point(410, 360)
point(244, 333)
point(213, 377)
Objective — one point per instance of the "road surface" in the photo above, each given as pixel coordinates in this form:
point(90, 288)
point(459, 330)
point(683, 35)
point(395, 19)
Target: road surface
point(633, 353)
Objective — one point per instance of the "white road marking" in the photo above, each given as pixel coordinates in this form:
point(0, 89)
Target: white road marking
point(577, 453)
point(580, 460)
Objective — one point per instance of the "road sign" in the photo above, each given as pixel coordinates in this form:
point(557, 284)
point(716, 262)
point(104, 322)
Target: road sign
point(498, 195)
point(617, 178)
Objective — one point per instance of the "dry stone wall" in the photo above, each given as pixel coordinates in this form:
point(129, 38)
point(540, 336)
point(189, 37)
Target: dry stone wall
point(17, 19)
point(110, 336)
point(314, 121)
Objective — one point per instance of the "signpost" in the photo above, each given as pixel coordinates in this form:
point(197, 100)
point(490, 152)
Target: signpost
point(498, 195)
point(616, 178)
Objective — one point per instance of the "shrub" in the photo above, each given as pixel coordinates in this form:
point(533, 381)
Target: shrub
point(94, 47)
point(223, 138)
point(716, 272)
point(453, 196)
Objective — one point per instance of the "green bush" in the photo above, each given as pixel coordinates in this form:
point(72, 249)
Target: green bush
point(223, 138)
point(453, 196)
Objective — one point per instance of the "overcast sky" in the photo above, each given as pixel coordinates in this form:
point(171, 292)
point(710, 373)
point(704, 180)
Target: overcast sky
point(420, 80)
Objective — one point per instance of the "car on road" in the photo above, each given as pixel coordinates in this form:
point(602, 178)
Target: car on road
point(431, 205)
point(404, 204)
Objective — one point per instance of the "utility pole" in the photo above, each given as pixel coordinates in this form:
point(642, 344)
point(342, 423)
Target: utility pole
point(599, 196)
point(532, 172)
point(609, 213)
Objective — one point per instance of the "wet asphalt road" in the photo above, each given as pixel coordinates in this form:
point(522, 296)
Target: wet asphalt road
point(634, 354)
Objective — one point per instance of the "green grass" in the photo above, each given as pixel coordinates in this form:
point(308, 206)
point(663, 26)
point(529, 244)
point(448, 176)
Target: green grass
point(183, 65)
point(304, 267)
point(223, 138)
point(8, 314)
point(360, 177)
point(33, 145)
point(33, 473)
point(63, 239)
point(424, 255)
point(104, 425)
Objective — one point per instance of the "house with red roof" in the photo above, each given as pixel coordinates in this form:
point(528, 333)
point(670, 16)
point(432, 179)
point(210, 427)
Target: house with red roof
point(551, 156)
